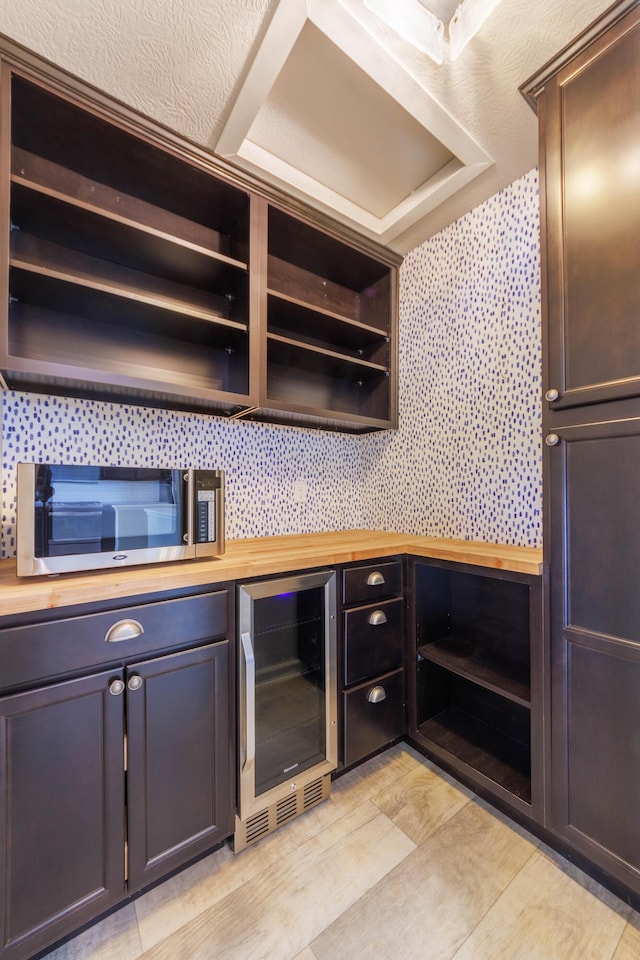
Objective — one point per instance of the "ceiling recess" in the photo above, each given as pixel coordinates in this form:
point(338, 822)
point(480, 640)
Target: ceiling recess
point(330, 115)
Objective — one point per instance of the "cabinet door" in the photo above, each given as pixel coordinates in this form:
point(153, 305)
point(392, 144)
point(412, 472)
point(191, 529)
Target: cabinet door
point(591, 136)
point(179, 777)
point(595, 643)
point(62, 805)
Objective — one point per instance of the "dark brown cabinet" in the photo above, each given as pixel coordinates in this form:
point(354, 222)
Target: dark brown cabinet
point(372, 659)
point(178, 775)
point(110, 781)
point(62, 808)
point(594, 536)
point(330, 328)
point(588, 102)
point(137, 267)
point(477, 703)
point(128, 265)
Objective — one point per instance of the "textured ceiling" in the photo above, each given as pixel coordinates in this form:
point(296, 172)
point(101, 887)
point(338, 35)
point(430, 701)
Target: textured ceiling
point(184, 62)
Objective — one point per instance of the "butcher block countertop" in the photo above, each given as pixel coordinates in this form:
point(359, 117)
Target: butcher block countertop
point(250, 558)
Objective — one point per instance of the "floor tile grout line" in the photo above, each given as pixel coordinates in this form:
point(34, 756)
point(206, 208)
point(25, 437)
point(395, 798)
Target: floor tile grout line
point(293, 852)
point(490, 908)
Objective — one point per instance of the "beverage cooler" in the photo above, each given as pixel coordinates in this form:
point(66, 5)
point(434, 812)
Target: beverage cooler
point(287, 699)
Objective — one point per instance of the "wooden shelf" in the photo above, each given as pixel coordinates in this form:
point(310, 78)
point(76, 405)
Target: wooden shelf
point(49, 196)
point(317, 292)
point(315, 325)
point(306, 356)
point(482, 747)
point(509, 678)
point(48, 260)
point(51, 339)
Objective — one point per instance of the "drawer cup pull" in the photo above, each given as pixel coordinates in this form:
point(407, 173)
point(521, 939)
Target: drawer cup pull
point(123, 630)
point(375, 579)
point(377, 618)
point(376, 695)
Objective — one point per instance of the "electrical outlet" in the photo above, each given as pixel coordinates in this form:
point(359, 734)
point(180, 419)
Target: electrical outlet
point(300, 491)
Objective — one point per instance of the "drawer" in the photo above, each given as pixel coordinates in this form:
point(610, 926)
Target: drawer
point(373, 715)
point(373, 582)
point(33, 653)
point(373, 640)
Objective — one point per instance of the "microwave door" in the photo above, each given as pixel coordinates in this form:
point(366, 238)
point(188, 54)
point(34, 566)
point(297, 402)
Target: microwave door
point(72, 528)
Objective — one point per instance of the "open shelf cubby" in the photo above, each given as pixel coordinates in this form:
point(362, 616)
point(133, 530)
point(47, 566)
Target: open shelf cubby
point(127, 262)
point(474, 672)
point(328, 324)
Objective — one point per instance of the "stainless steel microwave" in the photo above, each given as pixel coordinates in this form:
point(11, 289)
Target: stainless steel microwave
point(72, 517)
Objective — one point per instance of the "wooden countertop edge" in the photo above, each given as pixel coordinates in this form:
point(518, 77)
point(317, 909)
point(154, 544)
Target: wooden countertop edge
point(245, 559)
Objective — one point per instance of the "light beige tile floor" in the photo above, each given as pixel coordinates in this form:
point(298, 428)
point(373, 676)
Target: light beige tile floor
point(401, 862)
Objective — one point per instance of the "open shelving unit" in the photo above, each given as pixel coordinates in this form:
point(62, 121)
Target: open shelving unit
point(329, 320)
point(138, 267)
point(128, 266)
point(477, 682)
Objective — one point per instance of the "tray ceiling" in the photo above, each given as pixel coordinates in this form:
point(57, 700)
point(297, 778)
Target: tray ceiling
point(320, 96)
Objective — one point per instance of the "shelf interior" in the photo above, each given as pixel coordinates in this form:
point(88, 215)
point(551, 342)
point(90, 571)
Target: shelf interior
point(485, 666)
point(309, 381)
point(47, 126)
point(504, 761)
point(487, 732)
point(45, 336)
point(321, 328)
point(151, 248)
point(70, 272)
point(476, 625)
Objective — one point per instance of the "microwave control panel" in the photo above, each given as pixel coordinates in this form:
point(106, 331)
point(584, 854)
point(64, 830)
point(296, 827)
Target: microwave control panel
point(206, 516)
point(207, 491)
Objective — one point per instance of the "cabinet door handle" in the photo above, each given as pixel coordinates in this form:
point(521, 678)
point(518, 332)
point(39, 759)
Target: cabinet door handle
point(377, 695)
point(248, 721)
point(375, 579)
point(123, 630)
point(116, 687)
point(377, 618)
point(135, 682)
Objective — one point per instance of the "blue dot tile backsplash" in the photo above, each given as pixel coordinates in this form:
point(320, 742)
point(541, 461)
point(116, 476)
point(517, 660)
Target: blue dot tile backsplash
point(466, 459)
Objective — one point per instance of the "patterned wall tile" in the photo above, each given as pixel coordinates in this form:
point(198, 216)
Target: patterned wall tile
point(465, 461)
point(262, 463)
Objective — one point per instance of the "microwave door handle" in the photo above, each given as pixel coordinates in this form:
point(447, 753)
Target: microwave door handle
point(188, 535)
point(249, 706)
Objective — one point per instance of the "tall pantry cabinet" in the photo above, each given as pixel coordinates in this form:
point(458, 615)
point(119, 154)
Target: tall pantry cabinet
point(588, 104)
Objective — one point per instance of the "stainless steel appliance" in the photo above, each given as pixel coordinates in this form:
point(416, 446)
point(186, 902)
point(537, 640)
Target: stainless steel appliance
point(75, 517)
point(288, 699)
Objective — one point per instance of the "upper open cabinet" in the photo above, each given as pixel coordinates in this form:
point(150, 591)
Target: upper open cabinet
point(138, 268)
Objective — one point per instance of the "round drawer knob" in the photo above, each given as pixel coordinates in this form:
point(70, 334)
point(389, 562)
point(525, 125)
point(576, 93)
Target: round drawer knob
point(552, 439)
point(551, 395)
point(135, 682)
point(116, 687)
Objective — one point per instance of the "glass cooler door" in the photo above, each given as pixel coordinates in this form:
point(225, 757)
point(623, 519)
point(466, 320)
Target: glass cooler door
point(288, 685)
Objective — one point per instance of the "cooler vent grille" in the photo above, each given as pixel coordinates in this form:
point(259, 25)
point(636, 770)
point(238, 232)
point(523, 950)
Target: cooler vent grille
point(267, 820)
point(313, 793)
point(258, 826)
point(286, 809)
